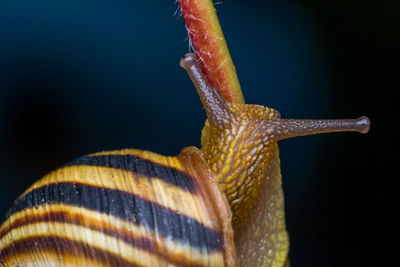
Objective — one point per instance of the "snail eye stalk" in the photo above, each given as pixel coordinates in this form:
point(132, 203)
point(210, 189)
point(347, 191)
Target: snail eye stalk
point(214, 104)
point(287, 128)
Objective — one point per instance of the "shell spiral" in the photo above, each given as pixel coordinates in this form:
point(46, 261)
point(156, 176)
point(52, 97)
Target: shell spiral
point(120, 208)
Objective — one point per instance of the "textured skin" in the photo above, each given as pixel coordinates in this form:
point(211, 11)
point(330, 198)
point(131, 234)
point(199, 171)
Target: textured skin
point(119, 208)
point(245, 159)
point(238, 142)
point(265, 242)
point(239, 154)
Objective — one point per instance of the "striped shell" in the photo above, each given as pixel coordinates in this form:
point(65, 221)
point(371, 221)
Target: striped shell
point(121, 208)
point(137, 208)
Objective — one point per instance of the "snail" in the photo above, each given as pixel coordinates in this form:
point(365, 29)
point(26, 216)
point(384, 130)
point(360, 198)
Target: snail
point(221, 205)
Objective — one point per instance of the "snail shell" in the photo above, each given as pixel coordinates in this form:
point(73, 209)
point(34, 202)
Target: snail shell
point(122, 208)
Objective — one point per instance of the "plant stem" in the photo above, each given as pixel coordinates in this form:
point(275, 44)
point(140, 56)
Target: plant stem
point(210, 47)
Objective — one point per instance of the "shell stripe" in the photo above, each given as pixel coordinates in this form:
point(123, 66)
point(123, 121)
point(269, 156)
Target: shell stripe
point(73, 252)
point(148, 188)
point(139, 165)
point(129, 207)
point(76, 219)
point(135, 236)
point(75, 234)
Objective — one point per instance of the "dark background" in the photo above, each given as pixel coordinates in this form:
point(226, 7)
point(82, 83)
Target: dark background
point(78, 77)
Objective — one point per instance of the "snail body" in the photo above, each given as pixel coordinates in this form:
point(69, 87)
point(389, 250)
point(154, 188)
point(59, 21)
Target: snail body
point(218, 206)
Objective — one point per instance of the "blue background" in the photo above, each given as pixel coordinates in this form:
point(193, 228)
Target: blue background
point(78, 77)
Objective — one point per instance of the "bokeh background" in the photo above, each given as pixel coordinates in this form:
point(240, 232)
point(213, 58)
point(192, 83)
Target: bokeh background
point(78, 77)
